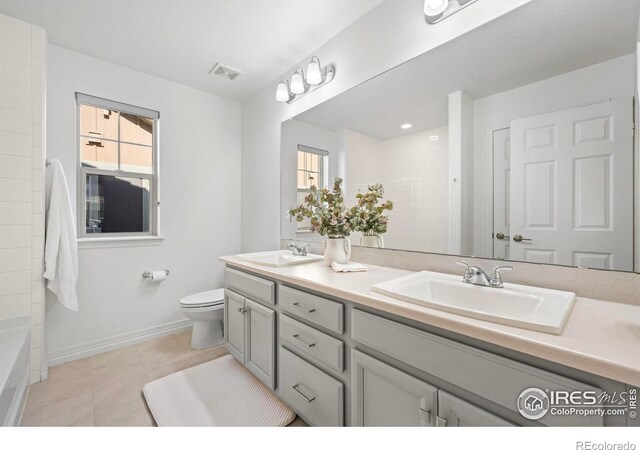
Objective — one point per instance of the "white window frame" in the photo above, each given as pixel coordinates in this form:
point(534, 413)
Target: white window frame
point(302, 227)
point(153, 177)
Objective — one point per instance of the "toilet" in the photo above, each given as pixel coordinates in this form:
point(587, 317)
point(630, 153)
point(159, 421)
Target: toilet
point(206, 309)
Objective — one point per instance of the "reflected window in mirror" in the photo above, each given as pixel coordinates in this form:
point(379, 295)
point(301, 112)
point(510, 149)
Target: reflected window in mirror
point(311, 171)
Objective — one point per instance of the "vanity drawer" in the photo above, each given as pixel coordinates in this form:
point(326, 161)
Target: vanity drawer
point(254, 287)
point(323, 312)
point(317, 345)
point(490, 376)
point(314, 395)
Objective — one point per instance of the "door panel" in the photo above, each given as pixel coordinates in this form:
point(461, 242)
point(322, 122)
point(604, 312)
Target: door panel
point(571, 173)
point(455, 412)
point(234, 324)
point(385, 396)
point(260, 342)
point(501, 193)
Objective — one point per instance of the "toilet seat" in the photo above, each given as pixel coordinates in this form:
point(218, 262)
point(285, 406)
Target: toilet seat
point(203, 299)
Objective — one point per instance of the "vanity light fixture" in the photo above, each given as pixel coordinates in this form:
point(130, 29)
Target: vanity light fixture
point(406, 126)
point(437, 10)
point(301, 85)
point(298, 84)
point(283, 94)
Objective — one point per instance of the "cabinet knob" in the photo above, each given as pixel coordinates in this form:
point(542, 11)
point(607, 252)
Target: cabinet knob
point(242, 310)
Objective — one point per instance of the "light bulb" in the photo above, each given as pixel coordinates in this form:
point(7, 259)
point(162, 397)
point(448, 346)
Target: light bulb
point(297, 83)
point(314, 76)
point(433, 9)
point(282, 92)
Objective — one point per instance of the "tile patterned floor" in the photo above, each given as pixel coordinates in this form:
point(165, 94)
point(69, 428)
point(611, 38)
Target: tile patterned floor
point(106, 389)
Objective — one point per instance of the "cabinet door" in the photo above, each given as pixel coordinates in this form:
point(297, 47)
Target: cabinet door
point(455, 412)
point(234, 324)
point(260, 342)
point(386, 396)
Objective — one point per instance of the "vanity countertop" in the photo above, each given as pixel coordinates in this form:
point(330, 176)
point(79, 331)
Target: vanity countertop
point(600, 337)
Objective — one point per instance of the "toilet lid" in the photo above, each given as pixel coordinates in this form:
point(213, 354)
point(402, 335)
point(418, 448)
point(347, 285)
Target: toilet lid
point(206, 298)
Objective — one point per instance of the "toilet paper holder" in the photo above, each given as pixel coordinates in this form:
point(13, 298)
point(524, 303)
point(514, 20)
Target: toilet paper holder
point(148, 274)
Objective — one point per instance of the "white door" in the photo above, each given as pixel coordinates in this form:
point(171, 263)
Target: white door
point(501, 197)
point(571, 187)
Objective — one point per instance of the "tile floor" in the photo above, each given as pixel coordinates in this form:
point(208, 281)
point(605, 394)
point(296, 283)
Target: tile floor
point(106, 389)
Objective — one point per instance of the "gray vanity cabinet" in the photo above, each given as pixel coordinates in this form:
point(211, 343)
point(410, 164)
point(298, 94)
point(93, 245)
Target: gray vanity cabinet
point(384, 396)
point(250, 335)
point(455, 412)
point(260, 334)
point(234, 322)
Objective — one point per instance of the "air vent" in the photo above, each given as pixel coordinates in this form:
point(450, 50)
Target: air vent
point(224, 71)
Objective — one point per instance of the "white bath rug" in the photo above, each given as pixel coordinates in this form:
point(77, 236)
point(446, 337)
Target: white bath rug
point(220, 393)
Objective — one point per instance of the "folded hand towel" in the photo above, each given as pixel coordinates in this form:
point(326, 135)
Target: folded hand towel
point(349, 267)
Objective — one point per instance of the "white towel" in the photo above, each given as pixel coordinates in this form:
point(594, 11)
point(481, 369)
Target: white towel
point(349, 267)
point(61, 248)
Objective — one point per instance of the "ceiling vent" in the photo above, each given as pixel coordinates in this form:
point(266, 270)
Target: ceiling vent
point(224, 71)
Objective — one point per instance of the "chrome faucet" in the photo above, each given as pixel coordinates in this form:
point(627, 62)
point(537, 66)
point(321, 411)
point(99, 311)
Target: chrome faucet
point(475, 275)
point(298, 250)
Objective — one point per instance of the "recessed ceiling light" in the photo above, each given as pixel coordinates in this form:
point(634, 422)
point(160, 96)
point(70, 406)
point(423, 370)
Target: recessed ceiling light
point(406, 126)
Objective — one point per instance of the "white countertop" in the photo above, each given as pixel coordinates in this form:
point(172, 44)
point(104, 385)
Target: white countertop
point(600, 337)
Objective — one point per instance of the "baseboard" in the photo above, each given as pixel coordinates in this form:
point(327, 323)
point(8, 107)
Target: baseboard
point(113, 343)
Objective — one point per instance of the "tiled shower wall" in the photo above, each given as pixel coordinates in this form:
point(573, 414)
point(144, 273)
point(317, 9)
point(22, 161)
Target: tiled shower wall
point(22, 106)
point(413, 170)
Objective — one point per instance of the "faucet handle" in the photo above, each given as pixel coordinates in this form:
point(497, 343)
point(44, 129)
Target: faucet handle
point(464, 263)
point(496, 279)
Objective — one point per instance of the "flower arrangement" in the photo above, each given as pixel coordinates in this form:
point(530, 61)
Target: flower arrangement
point(368, 216)
point(329, 217)
point(326, 210)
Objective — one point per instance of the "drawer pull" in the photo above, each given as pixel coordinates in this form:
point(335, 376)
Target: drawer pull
point(296, 388)
point(307, 310)
point(308, 344)
point(424, 414)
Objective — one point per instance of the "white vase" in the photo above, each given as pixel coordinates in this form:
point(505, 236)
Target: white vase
point(374, 241)
point(338, 250)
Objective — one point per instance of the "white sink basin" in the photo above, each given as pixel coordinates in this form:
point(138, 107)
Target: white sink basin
point(278, 258)
point(520, 306)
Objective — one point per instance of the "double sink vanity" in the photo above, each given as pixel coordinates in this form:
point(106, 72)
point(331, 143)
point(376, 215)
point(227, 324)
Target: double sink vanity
point(389, 347)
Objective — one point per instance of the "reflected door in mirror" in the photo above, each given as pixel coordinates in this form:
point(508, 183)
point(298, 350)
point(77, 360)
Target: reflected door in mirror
point(570, 176)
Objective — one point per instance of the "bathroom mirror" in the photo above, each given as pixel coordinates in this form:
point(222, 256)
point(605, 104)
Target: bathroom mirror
point(514, 141)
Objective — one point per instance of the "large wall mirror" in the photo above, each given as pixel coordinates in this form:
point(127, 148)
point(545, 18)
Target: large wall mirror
point(514, 141)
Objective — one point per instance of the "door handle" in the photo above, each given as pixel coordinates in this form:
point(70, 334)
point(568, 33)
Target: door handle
point(296, 387)
point(502, 236)
point(308, 344)
point(519, 238)
point(307, 310)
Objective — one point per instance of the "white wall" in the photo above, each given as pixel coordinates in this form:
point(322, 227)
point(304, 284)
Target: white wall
point(200, 205)
point(22, 53)
point(414, 172)
point(613, 79)
point(392, 33)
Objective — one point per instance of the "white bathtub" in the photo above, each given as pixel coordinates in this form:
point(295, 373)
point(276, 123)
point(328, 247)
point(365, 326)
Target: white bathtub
point(15, 361)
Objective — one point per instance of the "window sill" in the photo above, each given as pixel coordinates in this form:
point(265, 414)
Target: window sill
point(114, 242)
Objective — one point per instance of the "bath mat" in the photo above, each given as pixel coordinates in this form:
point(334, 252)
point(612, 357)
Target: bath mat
point(219, 393)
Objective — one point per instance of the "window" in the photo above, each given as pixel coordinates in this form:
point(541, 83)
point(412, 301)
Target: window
point(118, 154)
point(311, 171)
